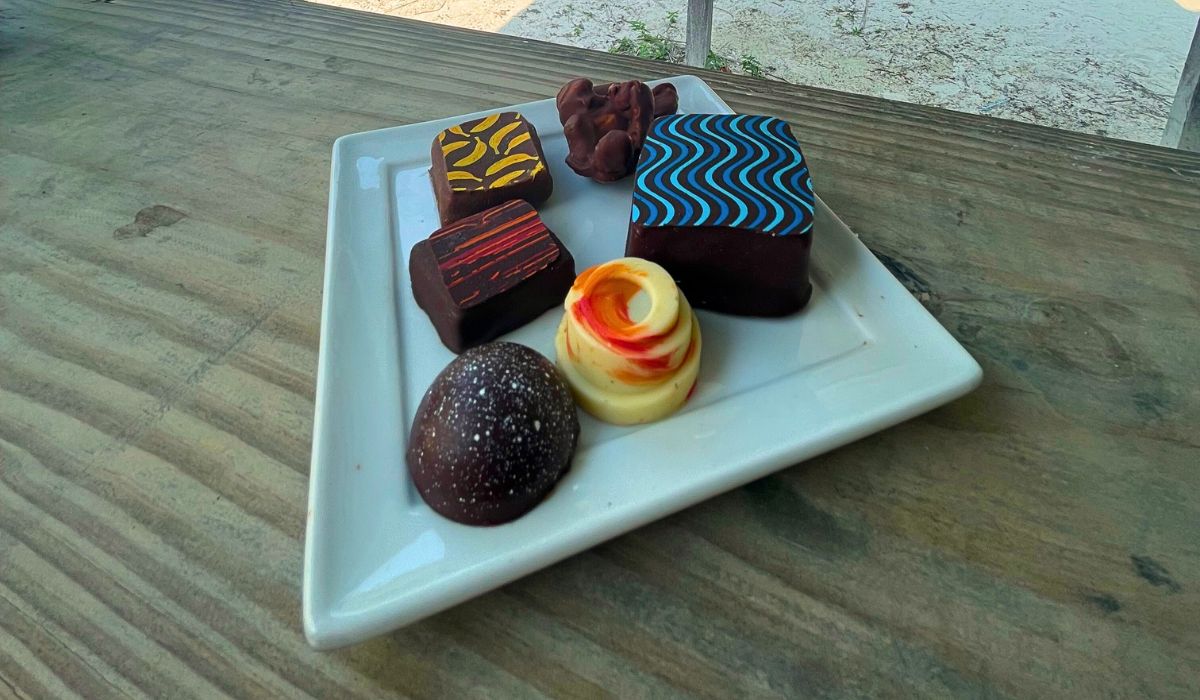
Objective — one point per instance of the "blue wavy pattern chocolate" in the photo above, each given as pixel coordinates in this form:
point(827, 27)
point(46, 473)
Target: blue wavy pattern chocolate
point(732, 170)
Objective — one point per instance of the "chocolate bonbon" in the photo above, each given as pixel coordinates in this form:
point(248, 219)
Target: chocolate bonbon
point(489, 273)
point(484, 162)
point(664, 97)
point(725, 203)
point(493, 434)
point(605, 125)
point(629, 343)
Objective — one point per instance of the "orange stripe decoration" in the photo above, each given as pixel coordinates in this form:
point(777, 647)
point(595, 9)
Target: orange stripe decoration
point(487, 254)
point(489, 153)
point(629, 343)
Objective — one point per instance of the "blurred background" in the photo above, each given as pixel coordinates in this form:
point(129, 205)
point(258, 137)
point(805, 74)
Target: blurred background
point(1108, 67)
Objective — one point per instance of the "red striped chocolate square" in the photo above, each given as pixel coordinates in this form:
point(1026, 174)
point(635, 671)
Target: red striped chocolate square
point(489, 273)
point(485, 254)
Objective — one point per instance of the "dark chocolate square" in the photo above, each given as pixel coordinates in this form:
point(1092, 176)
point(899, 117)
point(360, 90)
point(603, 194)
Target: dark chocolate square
point(725, 203)
point(485, 162)
point(485, 275)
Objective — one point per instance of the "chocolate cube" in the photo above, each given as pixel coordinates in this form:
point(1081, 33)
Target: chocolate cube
point(489, 273)
point(725, 203)
point(485, 162)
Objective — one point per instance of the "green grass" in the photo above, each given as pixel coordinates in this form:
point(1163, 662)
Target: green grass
point(646, 44)
point(751, 67)
point(660, 47)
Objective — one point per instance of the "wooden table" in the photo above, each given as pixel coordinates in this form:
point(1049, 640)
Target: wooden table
point(163, 180)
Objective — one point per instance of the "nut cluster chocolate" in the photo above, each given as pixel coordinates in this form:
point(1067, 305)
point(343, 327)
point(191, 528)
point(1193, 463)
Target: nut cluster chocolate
point(605, 125)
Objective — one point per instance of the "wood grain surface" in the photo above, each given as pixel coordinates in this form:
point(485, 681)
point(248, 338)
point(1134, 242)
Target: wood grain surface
point(163, 184)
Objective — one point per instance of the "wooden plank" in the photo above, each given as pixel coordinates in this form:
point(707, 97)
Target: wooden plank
point(1183, 123)
point(1034, 539)
point(699, 32)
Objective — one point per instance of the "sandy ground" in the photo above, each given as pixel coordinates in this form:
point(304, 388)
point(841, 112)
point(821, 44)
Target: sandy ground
point(1100, 66)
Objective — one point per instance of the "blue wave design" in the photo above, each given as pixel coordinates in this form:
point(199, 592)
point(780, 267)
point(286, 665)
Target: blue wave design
point(708, 173)
point(709, 149)
point(760, 175)
point(794, 195)
point(657, 157)
point(744, 156)
point(761, 197)
point(640, 194)
point(668, 196)
point(684, 195)
point(723, 170)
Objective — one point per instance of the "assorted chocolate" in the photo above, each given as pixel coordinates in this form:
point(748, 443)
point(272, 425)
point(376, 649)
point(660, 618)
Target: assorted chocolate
point(722, 216)
point(725, 203)
point(479, 164)
point(485, 275)
point(492, 436)
point(605, 125)
point(628, 370)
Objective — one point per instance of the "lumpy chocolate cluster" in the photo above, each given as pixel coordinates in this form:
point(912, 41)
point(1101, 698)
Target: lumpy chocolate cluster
point(605, 125)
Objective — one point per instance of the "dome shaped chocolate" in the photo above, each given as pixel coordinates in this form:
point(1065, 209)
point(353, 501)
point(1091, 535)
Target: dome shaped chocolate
point(494, 433)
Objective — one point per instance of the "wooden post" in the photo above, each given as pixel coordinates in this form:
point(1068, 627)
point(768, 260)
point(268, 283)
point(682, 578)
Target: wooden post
point(1183, 124)
point(699, 32)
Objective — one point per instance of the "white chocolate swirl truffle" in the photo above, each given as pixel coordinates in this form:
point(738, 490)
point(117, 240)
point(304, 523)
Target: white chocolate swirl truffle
point(622, 370)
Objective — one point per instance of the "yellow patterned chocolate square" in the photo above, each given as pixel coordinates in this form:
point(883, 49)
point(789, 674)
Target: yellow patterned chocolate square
point(491, 152)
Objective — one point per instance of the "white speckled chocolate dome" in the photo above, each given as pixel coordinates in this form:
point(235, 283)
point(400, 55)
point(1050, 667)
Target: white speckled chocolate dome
point(494, 433)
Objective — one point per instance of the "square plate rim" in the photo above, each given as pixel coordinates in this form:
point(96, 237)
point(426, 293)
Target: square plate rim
point(325, 629)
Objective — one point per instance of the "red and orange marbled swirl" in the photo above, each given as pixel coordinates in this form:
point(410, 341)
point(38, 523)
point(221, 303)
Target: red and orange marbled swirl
point(627, 370)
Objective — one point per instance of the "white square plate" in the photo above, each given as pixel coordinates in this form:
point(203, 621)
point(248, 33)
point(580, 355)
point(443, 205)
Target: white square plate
point(862, 356)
